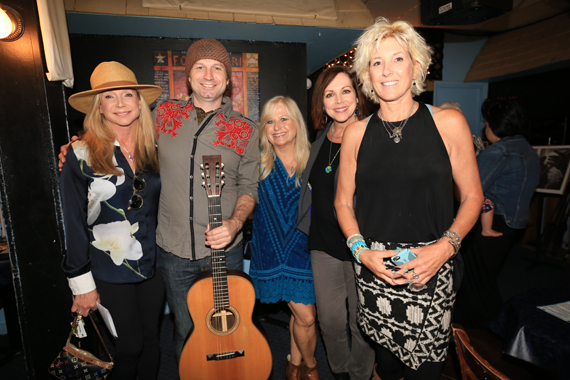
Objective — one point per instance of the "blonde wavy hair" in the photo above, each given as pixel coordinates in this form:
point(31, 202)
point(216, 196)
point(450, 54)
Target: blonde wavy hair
point(407, 37)
point(100, 140)
point(302, 145)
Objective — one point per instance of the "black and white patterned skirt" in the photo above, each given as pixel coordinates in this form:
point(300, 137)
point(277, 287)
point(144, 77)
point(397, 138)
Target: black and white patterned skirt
point(415, 326)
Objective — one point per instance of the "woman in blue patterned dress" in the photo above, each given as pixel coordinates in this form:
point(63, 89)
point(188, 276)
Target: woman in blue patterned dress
point(280, 261)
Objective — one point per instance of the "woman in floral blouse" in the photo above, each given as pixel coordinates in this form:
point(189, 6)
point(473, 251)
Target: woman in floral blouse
point(110, 188)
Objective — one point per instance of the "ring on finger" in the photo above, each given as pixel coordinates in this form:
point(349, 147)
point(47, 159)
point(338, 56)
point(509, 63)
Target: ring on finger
point(415, 275)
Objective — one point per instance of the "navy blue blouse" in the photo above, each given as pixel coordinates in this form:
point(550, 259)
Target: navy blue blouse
point(103, 237)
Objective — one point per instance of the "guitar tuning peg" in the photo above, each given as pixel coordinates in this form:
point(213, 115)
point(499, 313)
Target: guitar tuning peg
point(202, 166)
point(222, 174)
point(222, 182)
point(203, 183)
point(202, 174)
point(222, 165)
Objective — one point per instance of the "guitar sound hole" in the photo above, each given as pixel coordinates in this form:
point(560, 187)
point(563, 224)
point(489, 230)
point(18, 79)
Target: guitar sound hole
point(223, 320)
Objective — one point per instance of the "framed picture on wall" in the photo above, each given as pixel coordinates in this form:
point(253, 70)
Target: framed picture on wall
point(554, 168)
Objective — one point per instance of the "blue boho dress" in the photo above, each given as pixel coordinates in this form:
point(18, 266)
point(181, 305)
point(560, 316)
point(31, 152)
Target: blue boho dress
point(280, 260)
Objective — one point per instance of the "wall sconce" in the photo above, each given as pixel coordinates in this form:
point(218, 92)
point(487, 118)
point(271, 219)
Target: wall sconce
point(11, 24)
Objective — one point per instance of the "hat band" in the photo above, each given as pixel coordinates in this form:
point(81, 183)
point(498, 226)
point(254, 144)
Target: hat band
point(116, 84)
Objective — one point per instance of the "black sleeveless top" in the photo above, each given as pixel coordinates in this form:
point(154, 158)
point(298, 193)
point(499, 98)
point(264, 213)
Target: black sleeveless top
point(326, 234)
point(404, 190)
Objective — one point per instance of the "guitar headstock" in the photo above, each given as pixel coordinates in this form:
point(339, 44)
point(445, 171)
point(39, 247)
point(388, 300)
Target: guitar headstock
point(212, 175)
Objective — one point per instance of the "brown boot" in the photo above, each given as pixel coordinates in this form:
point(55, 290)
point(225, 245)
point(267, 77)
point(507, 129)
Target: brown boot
point(292, 371)
point(309, 373)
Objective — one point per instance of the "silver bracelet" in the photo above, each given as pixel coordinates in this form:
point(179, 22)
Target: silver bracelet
point(454, 240)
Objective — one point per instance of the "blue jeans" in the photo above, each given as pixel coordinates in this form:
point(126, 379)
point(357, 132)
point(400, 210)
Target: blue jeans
point(179, 274)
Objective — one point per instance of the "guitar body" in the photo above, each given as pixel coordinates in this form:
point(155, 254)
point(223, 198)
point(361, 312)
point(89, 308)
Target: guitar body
point(225, 343)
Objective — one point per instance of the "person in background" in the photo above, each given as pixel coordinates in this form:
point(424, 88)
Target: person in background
point(403, 231)
point(337, 102)
point(110, 189)
point(280, 261)
point(487, 210)
point(509, 171)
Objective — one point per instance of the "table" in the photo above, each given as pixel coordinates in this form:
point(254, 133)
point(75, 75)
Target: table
point(533, 335)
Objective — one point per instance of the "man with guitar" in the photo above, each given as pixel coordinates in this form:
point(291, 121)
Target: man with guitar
point(206, 124)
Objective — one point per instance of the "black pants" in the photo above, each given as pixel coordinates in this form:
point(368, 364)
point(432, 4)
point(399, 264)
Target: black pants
point(389, 367)
point(136, 310)
point(479, 298)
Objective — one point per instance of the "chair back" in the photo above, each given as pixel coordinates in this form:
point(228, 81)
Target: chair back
point(473, 365)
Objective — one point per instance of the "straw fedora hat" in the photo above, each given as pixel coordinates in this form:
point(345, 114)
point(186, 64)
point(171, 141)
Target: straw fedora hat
point(111, 76)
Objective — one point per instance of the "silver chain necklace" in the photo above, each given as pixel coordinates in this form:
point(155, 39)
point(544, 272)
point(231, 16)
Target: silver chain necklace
point(393, 131)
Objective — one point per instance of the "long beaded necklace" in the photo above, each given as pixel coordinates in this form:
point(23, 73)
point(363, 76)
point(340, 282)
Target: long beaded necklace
point(328, 169)
point(393, 131)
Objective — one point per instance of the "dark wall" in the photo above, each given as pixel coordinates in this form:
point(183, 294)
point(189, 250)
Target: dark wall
point(546, 100)
point(282, 66)
point(32, 117)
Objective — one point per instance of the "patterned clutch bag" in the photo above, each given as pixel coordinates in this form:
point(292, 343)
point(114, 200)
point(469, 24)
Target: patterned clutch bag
point(73, 363)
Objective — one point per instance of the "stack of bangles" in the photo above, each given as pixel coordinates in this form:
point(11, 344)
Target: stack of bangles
point(357, 245)
point(454, 240)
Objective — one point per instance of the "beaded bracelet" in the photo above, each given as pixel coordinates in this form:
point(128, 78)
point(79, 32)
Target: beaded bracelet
point(357, 244)
point(358, 251)
point(352, 238)
point(454, 240)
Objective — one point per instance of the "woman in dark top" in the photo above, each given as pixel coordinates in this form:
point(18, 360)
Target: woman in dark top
point(509, 171)
point(402, 162)
point(110, 187)
point(337, 102)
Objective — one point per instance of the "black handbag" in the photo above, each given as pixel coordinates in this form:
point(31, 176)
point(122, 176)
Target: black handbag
point(73, 363)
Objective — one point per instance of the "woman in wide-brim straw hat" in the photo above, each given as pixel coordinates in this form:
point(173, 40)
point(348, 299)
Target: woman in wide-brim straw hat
point(404, 160)
point(110, 188)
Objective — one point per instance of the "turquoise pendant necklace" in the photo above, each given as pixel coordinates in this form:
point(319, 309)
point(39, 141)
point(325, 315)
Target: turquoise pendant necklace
point(328, 169)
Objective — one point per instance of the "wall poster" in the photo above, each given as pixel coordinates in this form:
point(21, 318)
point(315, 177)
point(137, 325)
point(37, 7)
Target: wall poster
point(169, 73)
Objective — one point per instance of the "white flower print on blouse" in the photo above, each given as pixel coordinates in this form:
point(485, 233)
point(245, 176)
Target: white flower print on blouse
point(116, 239)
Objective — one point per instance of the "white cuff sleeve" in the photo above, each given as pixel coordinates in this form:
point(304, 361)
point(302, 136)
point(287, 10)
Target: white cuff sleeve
point(82, 284)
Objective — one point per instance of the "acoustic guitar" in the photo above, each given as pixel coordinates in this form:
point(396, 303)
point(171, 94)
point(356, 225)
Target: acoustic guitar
point(225, 342)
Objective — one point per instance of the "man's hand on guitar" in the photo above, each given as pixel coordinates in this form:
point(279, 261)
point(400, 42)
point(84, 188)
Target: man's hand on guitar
point(222, 236)
point(63, 152)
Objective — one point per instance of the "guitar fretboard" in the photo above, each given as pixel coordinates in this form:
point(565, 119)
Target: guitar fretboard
point(220, 281)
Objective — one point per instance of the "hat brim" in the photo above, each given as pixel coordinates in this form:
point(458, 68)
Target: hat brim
point(82, 100)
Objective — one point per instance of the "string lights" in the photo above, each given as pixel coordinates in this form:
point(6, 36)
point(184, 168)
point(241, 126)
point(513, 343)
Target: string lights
point(433, 37)
point(346, 59)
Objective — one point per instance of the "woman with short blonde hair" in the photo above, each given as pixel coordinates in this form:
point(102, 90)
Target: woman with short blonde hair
point(403, 232)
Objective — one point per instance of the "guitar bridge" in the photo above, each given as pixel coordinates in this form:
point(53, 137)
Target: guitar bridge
point(225, 355)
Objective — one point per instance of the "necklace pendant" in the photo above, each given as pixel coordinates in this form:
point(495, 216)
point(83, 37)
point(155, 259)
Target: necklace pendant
point(131, 158)
point(328, 169)
point(397, 139)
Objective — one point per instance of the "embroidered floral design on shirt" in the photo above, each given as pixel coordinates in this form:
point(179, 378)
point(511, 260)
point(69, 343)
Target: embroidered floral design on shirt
point(170, 115)
point(234, 134)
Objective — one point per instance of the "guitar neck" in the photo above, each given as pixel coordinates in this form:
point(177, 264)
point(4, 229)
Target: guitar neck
point(219, 269)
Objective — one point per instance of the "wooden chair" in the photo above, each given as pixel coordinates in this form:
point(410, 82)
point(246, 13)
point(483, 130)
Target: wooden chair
point(473, 366)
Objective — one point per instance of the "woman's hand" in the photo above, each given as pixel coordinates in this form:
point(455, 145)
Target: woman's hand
point(374, 261)
point(428, 262)
point(82, 303)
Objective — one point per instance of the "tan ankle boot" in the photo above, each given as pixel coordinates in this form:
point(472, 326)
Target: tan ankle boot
point(309, 373)
point(292, 371)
